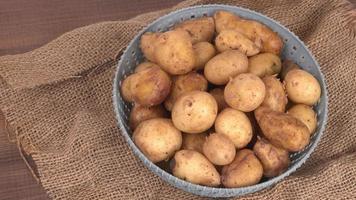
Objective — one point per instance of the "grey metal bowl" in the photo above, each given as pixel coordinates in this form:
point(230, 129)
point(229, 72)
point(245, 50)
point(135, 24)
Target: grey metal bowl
point(294, 49)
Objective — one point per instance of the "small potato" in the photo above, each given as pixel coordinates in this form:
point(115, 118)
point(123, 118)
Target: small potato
point(219, 149)
point(126, 89)
point(271, 42)
point(276, 97)
point(235, 125)
point(194, 141)
point(224, 20)
point(264, 64)
point(302, 87)
point(204, 51)
point(145, 65)
point(234, 40)
point(185, 83)
point(287, 66)
point(157, 138)
point(193, 167)
point(274, 160)
point(148, 44)
point(224, 66)
point(306, 115)
point(200, 29)
point(245, 170)
point(150, 87)
point(245, 92)
point(174, 52)
point(218, 95)
point(142, 113)
point(194, 112)
point(282, 130)
point(255, 31)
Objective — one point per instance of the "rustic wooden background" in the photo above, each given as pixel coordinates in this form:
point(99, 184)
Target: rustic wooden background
point(25, 25)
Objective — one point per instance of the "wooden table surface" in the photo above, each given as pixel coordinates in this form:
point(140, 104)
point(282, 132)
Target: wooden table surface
point(26, 25)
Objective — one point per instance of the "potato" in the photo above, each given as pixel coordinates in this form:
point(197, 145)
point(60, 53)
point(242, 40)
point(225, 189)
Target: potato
point(306, 115)
point(218, 95)
point(145, 65)
point(302, 87)
point(219, 149)
point(245, 92)
point(157, 138)
point(224, 20)
point(150, 87)
point(274, 160)
point(185, 83)
point(235, 125)
point(142, 113)
point(276, 97)
point(194, 112)
point(287, 66)
point(126, 89)
point(200, 29)
point(245, 170)
point(234, 40)
point(264, 64)
point(193, 167)
point(204, 51)
point(282, 130)
point(148, 43)
point(255, 31)
point(194, 141)
point(174, 52)
point(224, 66)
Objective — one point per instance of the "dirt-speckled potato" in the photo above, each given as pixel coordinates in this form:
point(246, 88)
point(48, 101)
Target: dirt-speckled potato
point(174, 52)
point(276, 97)
point(194, 112)
point(245, 92)
point(264, 64)
point(235, 125)
point(150, 86)
point(224, 66)
point(282, 130)
point(194, 141)
point(219, 149)
point(245, 170)
point(157, 138)
point(218, 94)
point(302, 87)
point(234, 40)
point(274, 160)
point(145, 65)
point(185, 83)
point(148, 44)
point(140, 113)
point(271, 42)
point(306, 115)
point(126, 89)
point(193, 167)
point(204, 51)
point(224, 20)
point(200, 29)
point(287, 66)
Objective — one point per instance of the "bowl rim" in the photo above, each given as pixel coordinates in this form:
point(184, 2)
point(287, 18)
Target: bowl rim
point(200, 189)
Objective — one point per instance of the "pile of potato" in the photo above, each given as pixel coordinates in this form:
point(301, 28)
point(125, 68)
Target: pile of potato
point(209, 106)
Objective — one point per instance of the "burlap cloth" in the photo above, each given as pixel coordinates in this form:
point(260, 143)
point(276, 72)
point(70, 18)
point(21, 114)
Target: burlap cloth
point(58, 101)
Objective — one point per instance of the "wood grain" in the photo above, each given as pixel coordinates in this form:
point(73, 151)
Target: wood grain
point(25, 25)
